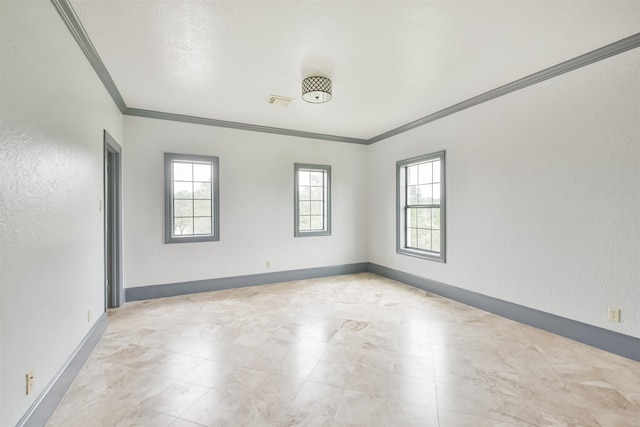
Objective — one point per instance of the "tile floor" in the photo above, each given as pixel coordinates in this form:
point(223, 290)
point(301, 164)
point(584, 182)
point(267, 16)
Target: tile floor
point(353, 350)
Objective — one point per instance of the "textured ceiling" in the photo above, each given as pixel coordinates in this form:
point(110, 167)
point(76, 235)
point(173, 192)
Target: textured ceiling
point(391, 62)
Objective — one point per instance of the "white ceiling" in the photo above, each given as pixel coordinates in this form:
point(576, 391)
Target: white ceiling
point(391, 62)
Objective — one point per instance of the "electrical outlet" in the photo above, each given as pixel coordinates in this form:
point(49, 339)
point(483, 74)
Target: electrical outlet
point(30, 380)
point(89, 316)
point(268, 264)
point(614, 314)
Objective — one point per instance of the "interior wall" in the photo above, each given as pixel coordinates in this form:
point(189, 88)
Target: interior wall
point(543, 198)
point(256, 203)
point(543, 195)
point(53, 113)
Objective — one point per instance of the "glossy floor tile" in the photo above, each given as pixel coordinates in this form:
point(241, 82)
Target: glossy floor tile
point(353, 350)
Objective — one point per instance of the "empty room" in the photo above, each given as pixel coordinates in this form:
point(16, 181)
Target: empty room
point(319, 213)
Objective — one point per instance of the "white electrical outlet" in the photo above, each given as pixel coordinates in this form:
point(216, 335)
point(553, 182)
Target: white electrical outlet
point(89, 316)
point(30, 381)
point(614, 314)
point(268, 264)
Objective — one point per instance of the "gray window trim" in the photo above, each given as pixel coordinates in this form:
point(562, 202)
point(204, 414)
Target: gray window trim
point(169, 158)
point(327, 197)
point(401, 203)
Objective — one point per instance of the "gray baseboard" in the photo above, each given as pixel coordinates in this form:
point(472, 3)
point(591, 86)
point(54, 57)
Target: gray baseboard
point(207, 285)
point(39, 413)
point(611, 341)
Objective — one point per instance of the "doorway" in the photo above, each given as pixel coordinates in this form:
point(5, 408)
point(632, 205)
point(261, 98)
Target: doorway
point(113, 286)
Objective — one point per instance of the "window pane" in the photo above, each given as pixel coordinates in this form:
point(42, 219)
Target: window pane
point(412, 195)
point(202, 190)
point(412, 217)
point(182, 208)
point(424, 173)
point(304, 208)
point(192, 215)
point(316, 178)
point(317, 208)
point(435, 218)
point(182, 190)
point(202, 225)
point(182, 172)
point(316, 222)
point(202, 207)
point(312, 200)
point(420, 205)
point(183, 226)
point(412, 238)
point(202, 172)
point(304, 193)
point(424, 239)
point(425, 196)
point(436, 171)
point(303, 178)
point(316, 193)
point(436, 241)
point(305, 222)
point(412, 175)
point(424, 218)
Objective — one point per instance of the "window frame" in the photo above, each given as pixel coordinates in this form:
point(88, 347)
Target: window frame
point(401, 207)
point(326, 169)
point(169, 159)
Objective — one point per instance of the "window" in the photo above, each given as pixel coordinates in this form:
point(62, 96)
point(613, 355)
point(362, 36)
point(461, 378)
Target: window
point(312, 200)
point(421, 207)
point(191, 198)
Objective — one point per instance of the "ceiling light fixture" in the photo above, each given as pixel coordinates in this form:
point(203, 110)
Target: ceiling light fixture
point(316, 89)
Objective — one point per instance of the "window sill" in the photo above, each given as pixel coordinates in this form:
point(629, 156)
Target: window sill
point(433, 256)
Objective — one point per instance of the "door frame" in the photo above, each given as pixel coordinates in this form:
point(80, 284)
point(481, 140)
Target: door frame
point(113, 206)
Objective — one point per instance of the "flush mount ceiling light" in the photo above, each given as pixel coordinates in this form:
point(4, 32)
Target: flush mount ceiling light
point(316, 89)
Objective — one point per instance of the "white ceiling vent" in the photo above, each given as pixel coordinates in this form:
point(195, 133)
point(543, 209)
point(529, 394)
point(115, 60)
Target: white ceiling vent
point(282, 101)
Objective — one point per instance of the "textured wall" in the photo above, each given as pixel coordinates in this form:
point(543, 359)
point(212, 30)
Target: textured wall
point(543, 195)
point(543, 198)
point(54, 110)
point(256, 203)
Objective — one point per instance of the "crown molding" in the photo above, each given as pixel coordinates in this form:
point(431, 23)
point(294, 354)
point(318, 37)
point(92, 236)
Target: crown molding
point(236, 125)
point(72, 22)
point(604, 52)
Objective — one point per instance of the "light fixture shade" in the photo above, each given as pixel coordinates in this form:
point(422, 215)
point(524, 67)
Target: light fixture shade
point(316, 89)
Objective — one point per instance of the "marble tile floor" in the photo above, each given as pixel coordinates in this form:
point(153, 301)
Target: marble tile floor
point(352, 350)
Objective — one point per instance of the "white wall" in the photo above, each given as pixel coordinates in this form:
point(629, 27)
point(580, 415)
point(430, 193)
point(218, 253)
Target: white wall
point(256, 203)
point(543, 198)
point(53, 112)
point(543, 195)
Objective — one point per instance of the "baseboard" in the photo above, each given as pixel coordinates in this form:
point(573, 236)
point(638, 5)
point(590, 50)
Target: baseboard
point(611, 341)
point(183, 288)
point(39, 413)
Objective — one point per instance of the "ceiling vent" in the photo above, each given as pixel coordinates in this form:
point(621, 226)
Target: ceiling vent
point(282, 101)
